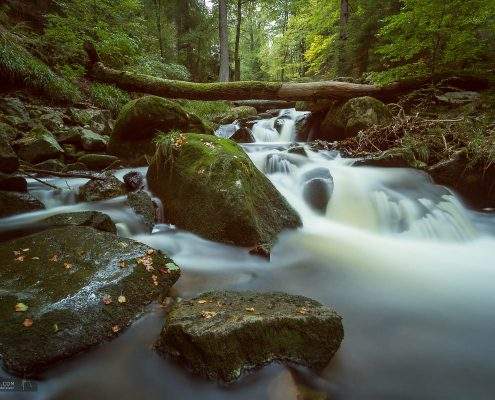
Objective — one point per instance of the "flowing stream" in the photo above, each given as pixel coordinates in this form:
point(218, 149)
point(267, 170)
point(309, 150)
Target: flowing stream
point(406, 264)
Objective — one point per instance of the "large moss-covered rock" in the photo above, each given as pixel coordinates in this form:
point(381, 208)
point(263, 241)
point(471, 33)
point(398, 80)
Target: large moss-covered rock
point(12, 203)
point(219, 335)
point(70, 279)
point(97, 162)
point(140, 120)
point(51, 165)
point(208, 185)
point(347, 120)
point(94, 219)
point(38, 145)
point(102, 188)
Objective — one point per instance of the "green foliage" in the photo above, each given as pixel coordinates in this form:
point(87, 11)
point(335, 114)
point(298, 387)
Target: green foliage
point(153, 65)
point(21, 67)
point(206, 110)
point(108, 96)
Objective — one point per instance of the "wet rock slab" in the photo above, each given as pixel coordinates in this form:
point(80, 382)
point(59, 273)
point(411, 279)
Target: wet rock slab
point(66, 289)
point(219, 335)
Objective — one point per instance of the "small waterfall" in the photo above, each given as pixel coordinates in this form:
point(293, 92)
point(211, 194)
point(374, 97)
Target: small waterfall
point(281, 128)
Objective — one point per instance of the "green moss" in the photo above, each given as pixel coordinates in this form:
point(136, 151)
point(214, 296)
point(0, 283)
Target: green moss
point(19, 66)
point(108, 97)
point(210, 186)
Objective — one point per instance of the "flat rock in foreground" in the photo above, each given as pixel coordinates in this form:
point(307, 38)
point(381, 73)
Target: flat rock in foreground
point(219, 335)
point(66, 289)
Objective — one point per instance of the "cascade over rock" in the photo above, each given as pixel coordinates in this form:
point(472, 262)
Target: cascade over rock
point(208, 185)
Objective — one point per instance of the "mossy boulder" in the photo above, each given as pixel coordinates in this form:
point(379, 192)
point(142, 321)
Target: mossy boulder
point(346, 120)
point(77, 166)
point(219, 335)
point(12, 203)
point(8, 132)
point(103, 187)
point(208, 185)
point(70, 279)
point(94, 219)
point(140, 120)
point(38, 145)
point(51, 165)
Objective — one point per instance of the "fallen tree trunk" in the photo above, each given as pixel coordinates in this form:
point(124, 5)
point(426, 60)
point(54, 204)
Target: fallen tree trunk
point(264, 105)
point(248, 90)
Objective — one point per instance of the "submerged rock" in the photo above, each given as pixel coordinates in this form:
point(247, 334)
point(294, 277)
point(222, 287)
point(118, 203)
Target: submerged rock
point(140, 120)
point(347, 120)
point(142, 204)
point(106, 187)
point(94, 219)
point(38, 145)
point(208, 185)
point(12, 203)
point(219, 335)
point(317, 188)
point(134, 180)
point(243, 135)
point(78, 287)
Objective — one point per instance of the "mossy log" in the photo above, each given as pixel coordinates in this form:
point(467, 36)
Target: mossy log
point(247, 90)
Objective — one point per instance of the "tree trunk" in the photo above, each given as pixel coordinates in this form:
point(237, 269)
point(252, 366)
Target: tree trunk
point(224, 41)
point(158, 12)
point(344, 19)
point(237, 57)
point(310, 91)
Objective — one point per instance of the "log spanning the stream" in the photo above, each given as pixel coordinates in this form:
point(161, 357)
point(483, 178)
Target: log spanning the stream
point(246, 90)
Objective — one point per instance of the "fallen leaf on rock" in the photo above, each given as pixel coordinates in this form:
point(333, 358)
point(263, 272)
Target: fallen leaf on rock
point(250, 309)
point(17, 252)
point(150, 251)
point(107, 299)
point(27, 322)
point(208, 314)
point(155, 280)
point(147, 261)
point(122, 264)
point(21, 307)
point(35, 258)
point(67, 265)
point(115, 328)
point(121, 299)
point(302, 310)
point(55, 327)
point(54, 258)
point(20, 258)
point(202, 301)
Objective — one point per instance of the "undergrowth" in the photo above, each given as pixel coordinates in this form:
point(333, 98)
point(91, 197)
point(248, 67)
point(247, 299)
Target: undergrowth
point(108, 97)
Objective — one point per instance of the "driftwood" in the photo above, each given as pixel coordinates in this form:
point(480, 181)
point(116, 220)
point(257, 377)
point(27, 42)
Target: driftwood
point(252, 90)
point(27, 170)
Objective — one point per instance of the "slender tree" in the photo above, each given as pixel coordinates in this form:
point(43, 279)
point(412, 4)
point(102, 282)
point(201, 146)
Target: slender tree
point(224, 41)
point(237, 57)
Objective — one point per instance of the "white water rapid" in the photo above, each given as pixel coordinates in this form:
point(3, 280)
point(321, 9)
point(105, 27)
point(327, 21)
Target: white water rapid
point(408, 266)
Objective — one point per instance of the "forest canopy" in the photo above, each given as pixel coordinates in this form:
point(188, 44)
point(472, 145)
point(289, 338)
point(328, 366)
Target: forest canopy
point(281, 40)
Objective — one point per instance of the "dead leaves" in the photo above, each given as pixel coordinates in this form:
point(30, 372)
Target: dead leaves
point(147, 262)
point(208, 314)
point(107, 299)
point(122, 264)
point(121, 299)
point(250, 309)
point(21, 307)
point(67, 265)
point(154, 278)
point(54, 258)
point(115, 328)
point(20, 258)
point(202, 301)
point(27, 322)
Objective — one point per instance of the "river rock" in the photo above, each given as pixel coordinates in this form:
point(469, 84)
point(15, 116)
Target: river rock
point(140, 120)
point(97, 162)
point(38, 145)
point(134, 180)
point(101, 189)
point(234, 114)
point(142, 204)
point(8, 132)
point(12, 203)
point(219, 335)
point(52, 121)
point(71, 279)
point(347, 120)
point(9, 162)
point(92, 141)
point(208, 185)
point(94, 219)
point(12, 106)
point(12, 183)
point(77, 166)
point(460, 97)
point(243, 135)
point(51, 165)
